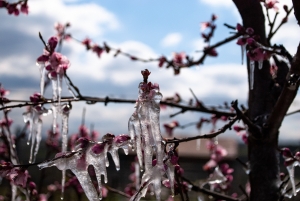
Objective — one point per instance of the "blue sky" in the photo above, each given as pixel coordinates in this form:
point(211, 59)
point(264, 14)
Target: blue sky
point(145, 28)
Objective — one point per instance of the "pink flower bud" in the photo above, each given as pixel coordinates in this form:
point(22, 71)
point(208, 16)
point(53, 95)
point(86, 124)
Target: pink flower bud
point(98, 148)
point(52, 43)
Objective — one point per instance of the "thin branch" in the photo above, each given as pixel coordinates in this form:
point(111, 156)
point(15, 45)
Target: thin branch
point(211, 193)
point(117, 191)
point(206, 136)
point(93, 100)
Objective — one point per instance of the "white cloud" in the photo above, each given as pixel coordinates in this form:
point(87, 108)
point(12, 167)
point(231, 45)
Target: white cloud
point(218, 3)
point(89, 18)
point(171, 39)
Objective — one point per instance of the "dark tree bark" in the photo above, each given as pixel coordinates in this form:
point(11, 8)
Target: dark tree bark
point(267, 108)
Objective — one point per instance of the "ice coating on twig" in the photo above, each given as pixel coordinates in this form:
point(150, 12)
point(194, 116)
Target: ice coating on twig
point(251, 76)
point(33, 117)
point(90, 153)
point(65, 109)
point(144, 129)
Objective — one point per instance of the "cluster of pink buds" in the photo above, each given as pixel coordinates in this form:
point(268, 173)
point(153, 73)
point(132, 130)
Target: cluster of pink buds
point(256, 52)
point(241, 131)
point(16, 175)
point(15, 8)
point(61, 30)
point(170, 127)
point(289, 157)
point(210, 26)
point(97, 49)
point(270, 4)
point(217, 154)
point(56, 63)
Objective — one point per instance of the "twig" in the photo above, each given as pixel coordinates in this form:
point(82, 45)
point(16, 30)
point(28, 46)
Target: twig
point(117, 191)
point(206, 136)
point(211, 193)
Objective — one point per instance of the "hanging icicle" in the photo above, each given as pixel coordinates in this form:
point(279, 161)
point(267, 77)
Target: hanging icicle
point(251, 76)
point(33, 117)
point(144, 129)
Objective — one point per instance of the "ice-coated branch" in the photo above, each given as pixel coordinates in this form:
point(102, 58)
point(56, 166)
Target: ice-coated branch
point(106, 100)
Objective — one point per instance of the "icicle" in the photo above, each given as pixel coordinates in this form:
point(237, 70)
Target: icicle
point(216, 177)
point(65, 128)
point(260, 64)
point(135, 134)
point(75, 162)
point(38, 138)
point(243, 47)
point(291, 170)
point(13, 192)
point(42, 82)
point(28, 117)
point(59, 87)
point(33, 117)
point(252, 67)
point(65, 125)
point(137, 175)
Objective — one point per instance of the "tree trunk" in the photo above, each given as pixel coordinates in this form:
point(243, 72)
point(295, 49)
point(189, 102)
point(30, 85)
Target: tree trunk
point(262, 146)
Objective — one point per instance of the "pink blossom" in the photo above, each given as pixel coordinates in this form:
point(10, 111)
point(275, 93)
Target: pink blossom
point(240, 28)
point(5, 168)
point(98, 50)
point(121, 139)
point(212, 52)
point(270, 4)
point(52, 42)
point(3, 4)
point(178, 58)
point(98, 148)
point(241, 41)
point(43, 197)
point(209, 165)
point(245, 138)
point(170, 127)
point(19, 177)
point(87, 43)
point(12, 9)
point(24, 8)
point(59, 62)
point(257, 54)
point(162, 60)
point(273, 70)
point(3, 92)
point(6, 122)
point(36, 97)
point(238, 128)
point(204, 25)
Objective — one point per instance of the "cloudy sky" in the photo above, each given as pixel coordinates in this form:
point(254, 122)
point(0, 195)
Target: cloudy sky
point(147, 29)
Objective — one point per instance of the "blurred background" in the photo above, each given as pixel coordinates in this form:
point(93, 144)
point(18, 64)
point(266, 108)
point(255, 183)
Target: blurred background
point(146, 29)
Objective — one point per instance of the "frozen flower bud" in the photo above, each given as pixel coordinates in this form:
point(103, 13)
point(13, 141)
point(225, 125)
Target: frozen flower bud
point(162, 60)
point(35, 98)
point(249, 31)
point(32, 185)
point(145, 74)
point(82, 142)
point(121, 139)
point(98, 148)
point(52, 42)
point(240, 28)
point(108, 137)
point(238, 128)
point(286, 152)
point(66, 108)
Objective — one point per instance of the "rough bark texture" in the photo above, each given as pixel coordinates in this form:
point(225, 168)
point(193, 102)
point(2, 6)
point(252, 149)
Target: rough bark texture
point(262, 149)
